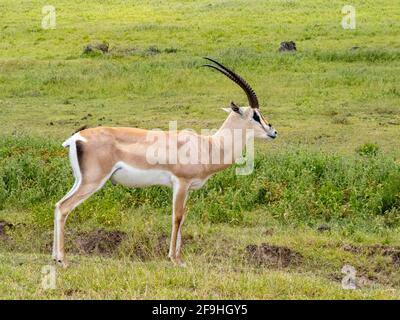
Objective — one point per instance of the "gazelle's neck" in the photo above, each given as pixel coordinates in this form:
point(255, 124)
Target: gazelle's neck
point(231, 122)
point(232, 137)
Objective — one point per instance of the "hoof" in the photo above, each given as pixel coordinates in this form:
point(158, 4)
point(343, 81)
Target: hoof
point(63, 264)
point(178, 262)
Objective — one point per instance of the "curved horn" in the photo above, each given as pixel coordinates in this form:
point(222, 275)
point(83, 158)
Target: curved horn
point(251, 96)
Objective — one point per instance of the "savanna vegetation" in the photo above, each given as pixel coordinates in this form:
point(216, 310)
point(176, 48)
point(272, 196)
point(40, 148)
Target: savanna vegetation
point(325, 194)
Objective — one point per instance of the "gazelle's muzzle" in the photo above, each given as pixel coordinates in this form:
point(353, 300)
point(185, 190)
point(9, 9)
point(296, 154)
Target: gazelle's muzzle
point(272, 133)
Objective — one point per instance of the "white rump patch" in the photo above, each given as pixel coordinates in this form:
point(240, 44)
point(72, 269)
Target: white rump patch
point(73, 157)
point(73, 139)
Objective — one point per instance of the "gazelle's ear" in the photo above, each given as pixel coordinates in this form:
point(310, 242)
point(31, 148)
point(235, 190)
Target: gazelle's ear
point(236, 108)
point(233, 107)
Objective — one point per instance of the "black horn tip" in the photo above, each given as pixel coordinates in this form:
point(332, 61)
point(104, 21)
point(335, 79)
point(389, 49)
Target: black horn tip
point(214, 67)
point(208, 58)
point(251, 96)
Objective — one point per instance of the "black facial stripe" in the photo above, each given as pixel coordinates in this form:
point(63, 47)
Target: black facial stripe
point(256, 117)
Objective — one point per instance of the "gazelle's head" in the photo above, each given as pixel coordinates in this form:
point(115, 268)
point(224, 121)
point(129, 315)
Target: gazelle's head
point(246, 117)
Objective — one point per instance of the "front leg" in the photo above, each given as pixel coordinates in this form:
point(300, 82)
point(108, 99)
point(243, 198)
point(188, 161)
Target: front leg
point(180, 192)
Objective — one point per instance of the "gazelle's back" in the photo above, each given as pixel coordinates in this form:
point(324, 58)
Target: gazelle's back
point(141, 149)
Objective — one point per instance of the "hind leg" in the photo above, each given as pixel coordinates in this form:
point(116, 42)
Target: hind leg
point(62, 210)
point(71, 192)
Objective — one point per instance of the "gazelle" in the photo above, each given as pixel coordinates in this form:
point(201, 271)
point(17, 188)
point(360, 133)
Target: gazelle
point(127, 156)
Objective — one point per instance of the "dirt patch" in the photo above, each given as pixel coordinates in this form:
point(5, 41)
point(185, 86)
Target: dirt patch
point(96, 47)
point(272, 256)
point(373, 250)
point(152, 50)
point(394, 254)
point(126, 51)
point(365, 282)
point(268, 232)
point(351, 248)
point(362, 279)
point(71, 292)
point(4, 227)
point(162, 244)
point(323, 228)
point(370, 275)
point(376, 271)
point(107, 243)
point(101, 242)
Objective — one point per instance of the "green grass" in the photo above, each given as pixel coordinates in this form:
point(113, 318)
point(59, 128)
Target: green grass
point(336, 162)
point(295, 186)
point(288, 197)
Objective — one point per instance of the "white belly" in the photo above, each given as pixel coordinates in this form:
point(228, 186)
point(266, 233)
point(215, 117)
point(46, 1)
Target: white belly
point(133, 177)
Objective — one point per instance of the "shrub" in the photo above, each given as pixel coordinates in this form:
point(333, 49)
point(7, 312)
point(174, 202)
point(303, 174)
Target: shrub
point(368, 149)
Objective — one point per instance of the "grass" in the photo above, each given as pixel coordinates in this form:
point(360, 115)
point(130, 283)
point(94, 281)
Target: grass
point(295, 186)
point(353, 200)
point(334, 168)
point(217, 266)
